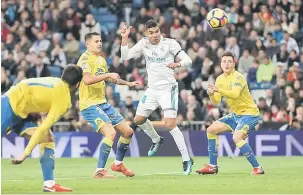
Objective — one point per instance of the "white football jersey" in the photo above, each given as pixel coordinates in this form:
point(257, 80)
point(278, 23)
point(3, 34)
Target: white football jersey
point(157, 58)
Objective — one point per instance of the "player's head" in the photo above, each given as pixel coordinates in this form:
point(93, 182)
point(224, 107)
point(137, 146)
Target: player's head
point(72, 75)
point(93, 42)
point(228, 62)
point(152, 32)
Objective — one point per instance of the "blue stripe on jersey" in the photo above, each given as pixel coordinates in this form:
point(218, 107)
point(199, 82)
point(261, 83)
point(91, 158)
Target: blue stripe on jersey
point(40, 84)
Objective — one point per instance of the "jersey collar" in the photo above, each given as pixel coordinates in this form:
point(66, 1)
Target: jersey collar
point(230, 74)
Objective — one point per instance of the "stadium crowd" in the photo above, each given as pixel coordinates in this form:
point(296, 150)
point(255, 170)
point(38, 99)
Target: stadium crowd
point(39, 38)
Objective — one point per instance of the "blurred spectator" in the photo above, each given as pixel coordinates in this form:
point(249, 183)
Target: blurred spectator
point(5, 82)
point(266, 71)
point(118, 67)
point(41, 44)
point(38, 70)
point(279, 95)
point(58, 57)
point(90, 25)
point(245, 62)
point(71, 48)
point(129, 108)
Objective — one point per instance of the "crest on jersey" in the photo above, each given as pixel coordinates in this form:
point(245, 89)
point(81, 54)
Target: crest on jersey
point(84, 58)
point(238, 77)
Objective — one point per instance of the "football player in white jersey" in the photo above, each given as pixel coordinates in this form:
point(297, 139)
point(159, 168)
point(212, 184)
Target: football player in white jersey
point(160, 54)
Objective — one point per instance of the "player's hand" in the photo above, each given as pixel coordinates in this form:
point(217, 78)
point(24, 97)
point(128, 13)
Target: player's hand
point(213, 88)
point(19, 160)
point(133, 84)
point(210, 92)
point(125, 31)
point(173, 65)
point(113, 76)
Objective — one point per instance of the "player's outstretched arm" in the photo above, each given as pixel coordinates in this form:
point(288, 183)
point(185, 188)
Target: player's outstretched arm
point(128, 53)
point(234, 93)
point(123, 82)
point(40, 133)
point(89, 79)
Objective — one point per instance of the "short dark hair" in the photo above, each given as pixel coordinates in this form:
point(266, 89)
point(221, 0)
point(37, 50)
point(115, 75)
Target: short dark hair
point(228, 54)
point(72, 74)
point(90, 35)
point(150, 24)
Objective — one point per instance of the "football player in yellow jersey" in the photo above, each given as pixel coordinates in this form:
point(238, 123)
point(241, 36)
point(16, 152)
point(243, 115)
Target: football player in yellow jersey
point(103, 117)
point(21, 105)
point(243, 119)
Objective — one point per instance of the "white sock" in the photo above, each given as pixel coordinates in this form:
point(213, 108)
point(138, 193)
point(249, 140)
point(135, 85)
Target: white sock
point(98, 169)
point(149, 129)
point(179, 139)
point(117, 162)
point(49, 183)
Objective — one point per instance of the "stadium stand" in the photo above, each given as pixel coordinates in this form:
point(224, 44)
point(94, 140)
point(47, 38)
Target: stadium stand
point(39, 38)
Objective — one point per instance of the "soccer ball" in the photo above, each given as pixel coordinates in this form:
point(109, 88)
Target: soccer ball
point(216, 18)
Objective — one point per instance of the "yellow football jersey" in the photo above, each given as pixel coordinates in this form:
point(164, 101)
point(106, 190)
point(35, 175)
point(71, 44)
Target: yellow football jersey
point(36, 95)
point(234, 88)
point(92, 94)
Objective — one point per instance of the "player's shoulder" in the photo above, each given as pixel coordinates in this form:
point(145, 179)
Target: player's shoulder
point(169, 41)
point(85, 56)
point(220, 78)
point(238, 76)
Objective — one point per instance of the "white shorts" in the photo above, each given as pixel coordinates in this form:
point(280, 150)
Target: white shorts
point(167, 98)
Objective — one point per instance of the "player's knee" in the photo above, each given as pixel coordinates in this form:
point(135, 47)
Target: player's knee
point(128, 133)
point(108, 131)
point(237, 138)
point(211, 130)
point(170, 123)
point(139, 120)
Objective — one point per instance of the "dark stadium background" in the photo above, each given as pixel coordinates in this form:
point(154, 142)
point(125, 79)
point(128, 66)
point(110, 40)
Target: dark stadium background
point(39, 38)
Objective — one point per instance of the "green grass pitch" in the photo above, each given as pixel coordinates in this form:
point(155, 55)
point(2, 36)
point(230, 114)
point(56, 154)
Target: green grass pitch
point(161, 175)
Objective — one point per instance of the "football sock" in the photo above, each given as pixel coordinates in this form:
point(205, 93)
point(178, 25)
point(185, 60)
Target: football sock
point(105, 148)
point(122, 147)
point(47, 161)
point(149, 129)
point(212, 148)
point(179, 139)
point(248, 153)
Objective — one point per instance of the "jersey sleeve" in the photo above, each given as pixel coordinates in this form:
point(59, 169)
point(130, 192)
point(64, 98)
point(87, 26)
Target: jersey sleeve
point(85, 64)
point(175, 47)
point(238, 82)
point(129, 53)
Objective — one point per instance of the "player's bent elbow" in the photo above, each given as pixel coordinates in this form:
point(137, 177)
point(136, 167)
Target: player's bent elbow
point(87, 81)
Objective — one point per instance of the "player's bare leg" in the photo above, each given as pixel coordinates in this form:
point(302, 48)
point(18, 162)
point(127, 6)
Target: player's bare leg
point(174, 130)
point(122, 147)
point(239, 139)
point(212, 135)
point(47, 161)
point(148, 128)
point(109, 135)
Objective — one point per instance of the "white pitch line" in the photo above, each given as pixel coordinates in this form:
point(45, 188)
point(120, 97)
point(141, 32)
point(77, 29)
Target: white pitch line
point(67, 178)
